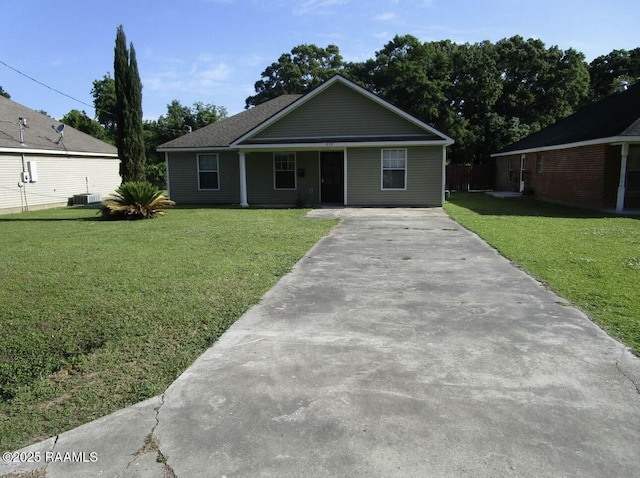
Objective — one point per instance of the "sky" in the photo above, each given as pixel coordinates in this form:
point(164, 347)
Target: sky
point(213, 51)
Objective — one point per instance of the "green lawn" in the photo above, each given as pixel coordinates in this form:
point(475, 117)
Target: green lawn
point(589, 258)
point(97, 315)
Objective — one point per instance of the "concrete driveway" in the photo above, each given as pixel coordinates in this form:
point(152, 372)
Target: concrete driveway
point(401, 346)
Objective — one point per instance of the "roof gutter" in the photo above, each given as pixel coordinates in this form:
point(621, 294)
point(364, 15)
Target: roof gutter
point(306, 146)
point(613, 140)
point(56, 152)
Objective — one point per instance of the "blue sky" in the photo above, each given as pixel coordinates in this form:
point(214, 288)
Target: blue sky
point(214, 50)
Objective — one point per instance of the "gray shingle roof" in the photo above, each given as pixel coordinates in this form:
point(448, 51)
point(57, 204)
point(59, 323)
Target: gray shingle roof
point(40, 133)
point(223, 133)
point(613, 116)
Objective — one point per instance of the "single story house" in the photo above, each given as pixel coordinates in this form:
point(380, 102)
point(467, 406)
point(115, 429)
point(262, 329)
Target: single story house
point(338, 144)
point(589, 159)
point(44, 163)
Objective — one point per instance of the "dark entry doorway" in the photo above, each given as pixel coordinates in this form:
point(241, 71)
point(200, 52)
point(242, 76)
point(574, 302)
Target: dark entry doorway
point(332, 177)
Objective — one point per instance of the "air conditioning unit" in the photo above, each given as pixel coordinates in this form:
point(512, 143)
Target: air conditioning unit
point(87, 198)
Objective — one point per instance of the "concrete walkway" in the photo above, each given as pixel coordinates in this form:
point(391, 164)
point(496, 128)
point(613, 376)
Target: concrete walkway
point(401, 346)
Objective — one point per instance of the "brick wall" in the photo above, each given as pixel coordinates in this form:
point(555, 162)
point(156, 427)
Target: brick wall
point(584, 176)
point(502, 173)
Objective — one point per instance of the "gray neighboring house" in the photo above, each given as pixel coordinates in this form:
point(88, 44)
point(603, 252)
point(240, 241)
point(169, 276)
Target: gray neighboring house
point(43, 164)
point(338, 144)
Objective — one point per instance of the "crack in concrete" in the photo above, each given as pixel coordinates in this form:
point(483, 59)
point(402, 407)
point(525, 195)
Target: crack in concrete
point(624, 374)
point(161, 458)
point(53, 448)
point(152, 444)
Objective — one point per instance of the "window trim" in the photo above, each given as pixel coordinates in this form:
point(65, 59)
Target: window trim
point(540, 163)
point(217, 170)
point(383, 169)
point(294, 171)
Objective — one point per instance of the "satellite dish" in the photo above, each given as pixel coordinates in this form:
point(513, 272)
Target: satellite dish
point(60, 128)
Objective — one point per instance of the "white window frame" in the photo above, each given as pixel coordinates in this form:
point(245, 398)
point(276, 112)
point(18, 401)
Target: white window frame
point(540, 163)
point(217, 171)
point(383, 169)
point(295, 174)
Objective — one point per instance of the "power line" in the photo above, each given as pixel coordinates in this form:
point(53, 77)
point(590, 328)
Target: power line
point(76, 99)
point(46, 86)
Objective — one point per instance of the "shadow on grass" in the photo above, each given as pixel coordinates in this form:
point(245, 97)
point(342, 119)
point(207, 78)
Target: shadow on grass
point(51, 219)
point(487, 205)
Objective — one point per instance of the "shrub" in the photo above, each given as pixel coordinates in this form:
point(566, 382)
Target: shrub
point(135, 200)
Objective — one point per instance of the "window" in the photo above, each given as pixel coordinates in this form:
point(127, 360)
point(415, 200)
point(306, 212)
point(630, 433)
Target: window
point(539, 163)
point(208, 172)
point(284, 167)
point(394, 169)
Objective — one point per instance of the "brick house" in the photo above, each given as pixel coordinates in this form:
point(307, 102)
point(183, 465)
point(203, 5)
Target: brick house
point(589, 159)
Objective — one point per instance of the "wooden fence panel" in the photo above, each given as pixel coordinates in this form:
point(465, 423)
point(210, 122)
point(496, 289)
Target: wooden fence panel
point(470, 177)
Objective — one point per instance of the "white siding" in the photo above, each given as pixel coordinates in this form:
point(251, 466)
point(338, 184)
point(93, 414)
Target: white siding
point(59, 178)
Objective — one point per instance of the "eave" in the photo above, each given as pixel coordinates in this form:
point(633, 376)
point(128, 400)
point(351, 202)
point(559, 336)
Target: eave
point(309, 146)
point(55, 152)
point(613, 140)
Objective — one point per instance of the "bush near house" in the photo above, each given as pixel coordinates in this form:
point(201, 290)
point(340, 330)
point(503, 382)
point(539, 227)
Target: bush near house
point(98, 315)
point(135, 200)
point(591, 259)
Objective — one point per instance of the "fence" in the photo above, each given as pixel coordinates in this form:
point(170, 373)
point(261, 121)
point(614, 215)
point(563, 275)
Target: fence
point(469, 177)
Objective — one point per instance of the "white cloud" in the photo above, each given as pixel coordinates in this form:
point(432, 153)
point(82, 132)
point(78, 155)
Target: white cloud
point(386, 17)
point(316, 7)
point(203, 75)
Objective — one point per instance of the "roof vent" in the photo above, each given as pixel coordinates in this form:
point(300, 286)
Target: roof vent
point(623, 85)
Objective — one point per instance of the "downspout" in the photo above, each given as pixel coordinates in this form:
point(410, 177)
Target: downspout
point(23, 185)
point(623, 177)
point(444, 175)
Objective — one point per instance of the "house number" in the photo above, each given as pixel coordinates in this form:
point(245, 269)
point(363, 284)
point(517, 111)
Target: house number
point(329, 144)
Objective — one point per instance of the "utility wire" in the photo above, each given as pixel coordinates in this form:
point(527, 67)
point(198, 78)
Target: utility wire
point(46, 86)
point(71, 97)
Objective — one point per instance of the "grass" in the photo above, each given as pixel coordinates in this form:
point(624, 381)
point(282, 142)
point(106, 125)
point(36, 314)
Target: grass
point(591, 259)
point(98, 315)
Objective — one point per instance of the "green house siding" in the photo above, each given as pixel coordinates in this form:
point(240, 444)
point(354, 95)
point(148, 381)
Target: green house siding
point(423, 184)
point(183, 176)
point(339, 111)
point(261, 186)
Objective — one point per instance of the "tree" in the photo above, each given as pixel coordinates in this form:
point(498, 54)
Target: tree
point(484, 95)
point(80, 121)
point(104, 102)
point(306, 67)
point(4, 93)
point(474, 89)
point(416, 77)
point(607, 71)
point(540, 86)
point(176, 123)
point(128, 88)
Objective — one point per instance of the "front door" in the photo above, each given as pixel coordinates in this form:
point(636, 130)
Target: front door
point(332, 177)
point(523, 171)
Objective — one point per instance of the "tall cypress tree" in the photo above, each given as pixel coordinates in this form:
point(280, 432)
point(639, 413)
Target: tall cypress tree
point(129, 132)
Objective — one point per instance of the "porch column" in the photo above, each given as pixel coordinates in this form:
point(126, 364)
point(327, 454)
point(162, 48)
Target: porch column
point(345, 177)
point(623, 177)
point(243, 181)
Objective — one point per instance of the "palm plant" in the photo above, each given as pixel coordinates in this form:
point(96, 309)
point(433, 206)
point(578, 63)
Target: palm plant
point(135, 200)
